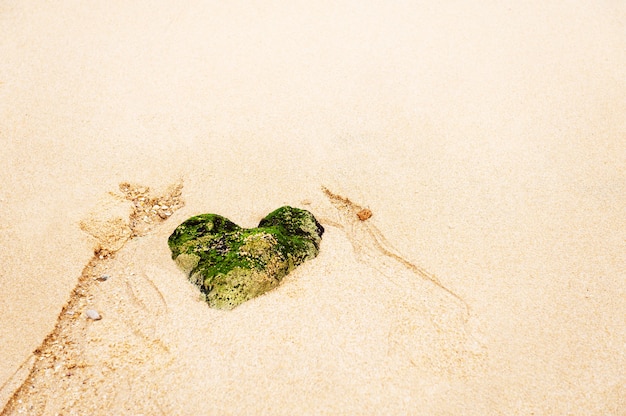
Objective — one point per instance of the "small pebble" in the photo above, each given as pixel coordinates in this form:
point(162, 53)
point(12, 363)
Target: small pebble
point(93, 314)
point(104, 277)
point(364, 214)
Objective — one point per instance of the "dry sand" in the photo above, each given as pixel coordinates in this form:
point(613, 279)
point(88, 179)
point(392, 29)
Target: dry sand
point(488, 141)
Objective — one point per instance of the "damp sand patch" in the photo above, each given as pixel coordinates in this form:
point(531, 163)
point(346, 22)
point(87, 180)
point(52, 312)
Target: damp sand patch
point(353, 317)
point(74, 367)
point(434, 326)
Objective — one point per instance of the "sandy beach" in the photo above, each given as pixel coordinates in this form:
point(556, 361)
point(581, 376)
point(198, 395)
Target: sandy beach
point(488, 140)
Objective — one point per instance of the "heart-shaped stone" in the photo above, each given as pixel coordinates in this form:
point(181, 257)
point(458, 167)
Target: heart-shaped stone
point(231, 264)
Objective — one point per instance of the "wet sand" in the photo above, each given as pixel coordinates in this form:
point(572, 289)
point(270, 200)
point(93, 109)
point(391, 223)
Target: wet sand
point(487, 142)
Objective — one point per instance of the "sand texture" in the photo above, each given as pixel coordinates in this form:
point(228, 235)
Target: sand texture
point(467, 162)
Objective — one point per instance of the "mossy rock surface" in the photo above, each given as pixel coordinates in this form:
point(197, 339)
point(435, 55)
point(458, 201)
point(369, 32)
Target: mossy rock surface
point(231, 264)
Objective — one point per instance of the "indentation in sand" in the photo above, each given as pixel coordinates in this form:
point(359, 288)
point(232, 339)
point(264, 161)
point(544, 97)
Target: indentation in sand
point(99, 354)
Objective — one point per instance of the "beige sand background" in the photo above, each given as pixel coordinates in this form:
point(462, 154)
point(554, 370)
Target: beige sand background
point(488, 139)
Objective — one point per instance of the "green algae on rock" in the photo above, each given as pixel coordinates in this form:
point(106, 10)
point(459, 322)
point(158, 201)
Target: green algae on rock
point(231, 264)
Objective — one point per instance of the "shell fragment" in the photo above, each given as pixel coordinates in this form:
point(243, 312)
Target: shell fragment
point(93, 314)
